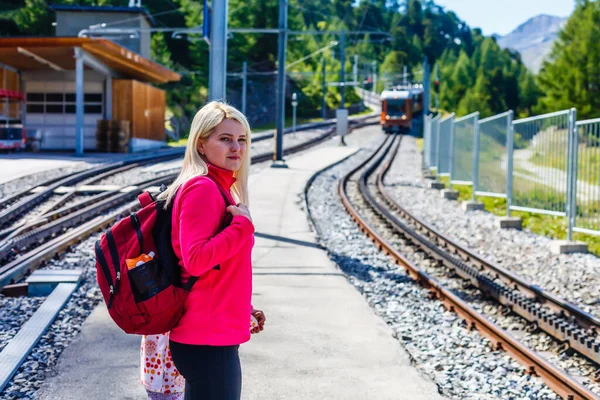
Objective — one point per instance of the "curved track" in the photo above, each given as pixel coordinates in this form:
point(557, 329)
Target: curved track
point(561, 320)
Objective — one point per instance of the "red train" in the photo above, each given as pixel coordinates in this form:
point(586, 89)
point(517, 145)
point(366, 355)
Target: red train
point(12, 133)
point(399, 107)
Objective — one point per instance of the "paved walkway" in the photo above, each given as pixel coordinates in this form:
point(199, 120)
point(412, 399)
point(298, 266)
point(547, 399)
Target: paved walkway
point(322, 341)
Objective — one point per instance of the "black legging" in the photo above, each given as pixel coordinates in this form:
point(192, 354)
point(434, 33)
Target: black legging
point(210, 372)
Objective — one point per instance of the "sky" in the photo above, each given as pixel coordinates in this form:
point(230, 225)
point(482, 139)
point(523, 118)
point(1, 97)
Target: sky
point(502, 16)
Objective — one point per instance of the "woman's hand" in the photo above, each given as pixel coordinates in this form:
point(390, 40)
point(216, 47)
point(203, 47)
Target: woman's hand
point(260, 317)
point(240, 209)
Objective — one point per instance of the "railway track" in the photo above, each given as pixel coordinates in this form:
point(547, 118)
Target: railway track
point(69, 226)
point(15, 206)
point(22, 202)
point(364, 196)
point(19, 238)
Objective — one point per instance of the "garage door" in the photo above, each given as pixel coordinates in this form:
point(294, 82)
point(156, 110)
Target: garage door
point(51, 110)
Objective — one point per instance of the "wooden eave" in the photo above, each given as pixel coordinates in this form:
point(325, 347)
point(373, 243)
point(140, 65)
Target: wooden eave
point(60, 52)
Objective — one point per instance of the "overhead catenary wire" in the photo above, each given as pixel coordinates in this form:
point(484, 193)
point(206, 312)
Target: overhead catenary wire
point(121, 21)
point(337, 18)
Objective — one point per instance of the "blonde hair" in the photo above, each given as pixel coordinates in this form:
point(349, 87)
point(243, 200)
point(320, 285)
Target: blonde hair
point(204, 123)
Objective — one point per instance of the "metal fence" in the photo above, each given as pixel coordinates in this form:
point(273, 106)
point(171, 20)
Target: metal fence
point(587, 186)
point(465, 130)
point(445, 146)
point(547, 164)
point(540, 163)
point(427, 141)
point(491, 144)
point(433, 149)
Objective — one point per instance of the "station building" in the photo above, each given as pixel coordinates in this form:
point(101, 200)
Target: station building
point(70, 82)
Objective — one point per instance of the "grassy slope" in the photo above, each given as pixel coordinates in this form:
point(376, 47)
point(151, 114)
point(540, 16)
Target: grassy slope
point(545, 225)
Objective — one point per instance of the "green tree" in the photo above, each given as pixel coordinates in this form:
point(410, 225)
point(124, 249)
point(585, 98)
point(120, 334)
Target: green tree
point(394, 62)
point(529, 92)
point(469, 63)
point(160, 50)
point(571, 75)
point(473, 101)
point(33, 18)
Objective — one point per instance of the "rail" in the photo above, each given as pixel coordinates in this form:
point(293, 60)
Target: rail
point(558, 380)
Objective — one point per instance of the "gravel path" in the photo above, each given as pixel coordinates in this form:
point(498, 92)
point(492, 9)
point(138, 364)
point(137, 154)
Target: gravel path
point(37, 211)
point(136, 175)
point(574, 277)
point(461, 362)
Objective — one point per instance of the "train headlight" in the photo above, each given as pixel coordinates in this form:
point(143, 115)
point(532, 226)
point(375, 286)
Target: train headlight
point(387, 117)
point(404, 117)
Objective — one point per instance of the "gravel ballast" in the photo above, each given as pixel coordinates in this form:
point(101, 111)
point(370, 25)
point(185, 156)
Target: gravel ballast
point(573, 277)
point(30, 181)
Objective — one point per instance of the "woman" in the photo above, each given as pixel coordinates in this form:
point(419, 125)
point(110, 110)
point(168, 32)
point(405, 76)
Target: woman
point(213, 236)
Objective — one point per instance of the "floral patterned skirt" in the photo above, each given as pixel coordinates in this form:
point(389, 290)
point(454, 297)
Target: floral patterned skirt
point(158, 373)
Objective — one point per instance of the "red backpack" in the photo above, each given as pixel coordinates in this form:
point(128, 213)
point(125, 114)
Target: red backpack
point(149, 298)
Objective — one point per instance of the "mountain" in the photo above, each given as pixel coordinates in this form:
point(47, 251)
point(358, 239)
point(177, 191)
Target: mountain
point(533, 39)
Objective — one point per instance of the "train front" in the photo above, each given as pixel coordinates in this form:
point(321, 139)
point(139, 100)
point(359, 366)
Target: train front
point(396, 111)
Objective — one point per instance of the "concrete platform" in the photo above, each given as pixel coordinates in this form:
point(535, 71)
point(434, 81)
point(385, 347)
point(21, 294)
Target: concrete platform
point(17, 165)
point(321, 340)
point(42, 282)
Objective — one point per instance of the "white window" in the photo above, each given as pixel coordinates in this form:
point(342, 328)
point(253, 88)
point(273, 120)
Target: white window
point(63, 103)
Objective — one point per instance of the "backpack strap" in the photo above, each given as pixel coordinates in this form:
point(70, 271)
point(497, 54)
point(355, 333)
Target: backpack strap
point(135, 221)
point(223, 193)
point(104, 265)
point(193, 279)
point(190, 283)
point(114, 255)
point(145, 199)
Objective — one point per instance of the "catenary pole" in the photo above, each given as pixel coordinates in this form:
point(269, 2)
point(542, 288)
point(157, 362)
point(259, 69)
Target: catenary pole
point(280, 93)
point(217, 74)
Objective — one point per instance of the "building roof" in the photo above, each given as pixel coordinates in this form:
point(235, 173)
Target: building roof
point(395, 94)
point(116, 9)
point(58, 53)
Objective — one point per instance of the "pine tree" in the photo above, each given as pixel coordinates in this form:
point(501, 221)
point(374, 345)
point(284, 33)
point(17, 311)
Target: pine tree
point(571, 75)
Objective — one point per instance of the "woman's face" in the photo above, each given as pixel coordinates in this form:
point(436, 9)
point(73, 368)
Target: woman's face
point(226, 145)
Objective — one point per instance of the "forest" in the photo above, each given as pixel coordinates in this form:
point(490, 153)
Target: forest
point(570, 77)
point(475, 73)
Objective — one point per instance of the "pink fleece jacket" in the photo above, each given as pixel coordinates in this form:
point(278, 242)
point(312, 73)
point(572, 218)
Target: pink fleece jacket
point(217, 310)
